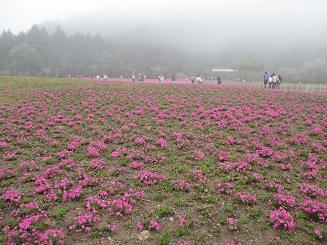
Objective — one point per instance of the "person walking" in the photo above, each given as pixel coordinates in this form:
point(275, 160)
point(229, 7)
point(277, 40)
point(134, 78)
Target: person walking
point(219, 79)
point(200, 80)
point(274, 81)
point(192, 78)
point(270, 81)
point(265, 79)
point(279, 80)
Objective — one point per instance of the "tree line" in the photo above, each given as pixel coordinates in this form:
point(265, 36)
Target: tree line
point(38, 53)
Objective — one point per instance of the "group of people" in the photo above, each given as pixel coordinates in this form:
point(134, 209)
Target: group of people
point(273, 81)
point(198, 79)
point(139, 77)
point(105, 77)
point(160, 78)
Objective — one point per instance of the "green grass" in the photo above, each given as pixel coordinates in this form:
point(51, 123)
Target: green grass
point(11, 87)
point(165, 237)
point(159, 198)
point(60, 214)
point(165, 211)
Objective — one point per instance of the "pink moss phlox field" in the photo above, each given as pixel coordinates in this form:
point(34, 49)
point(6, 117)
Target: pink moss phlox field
point(102, 162)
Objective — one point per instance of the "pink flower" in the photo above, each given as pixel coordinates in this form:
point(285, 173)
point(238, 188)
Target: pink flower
point(319, 234)
point(162, 143)
point(139, 226)
point(115, 154)
point(223, 156)
point(181, 221)
point(154, 225)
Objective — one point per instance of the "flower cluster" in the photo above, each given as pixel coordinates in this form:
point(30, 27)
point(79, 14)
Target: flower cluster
point(316, 209)
point(162, 143)
point(183, 185)
point(96, 148)
point(28, 166)
point(74, 144)
point(231, 224)
point(149, 178)
point(318, 233)
point(27, 231)
point(76, 192)
point(63, 154)
point(197, 176)
point(154, 226)
point(97, 164)
point(318, 148)
point(198, 155)
point(52, 172)
point(136, 165)
point(246, 198)
point(283, 155)
point(311, 168)
point(274, 187)
point(226, 188)
point(265, 152)
point(287, 200)
point(237, 166)
point(311, 190)
point(183, 243)
point(84, 220)
point(223, 156)
point(11, 196)
point(282, 218)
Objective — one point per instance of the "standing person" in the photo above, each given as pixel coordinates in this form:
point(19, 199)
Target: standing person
point(197, 79)
point(280, 80)
point(192, 78)
point(265, 79)
point(270, 81)
point(274, 81)
point(219, 79)
point(105, 77)
point(133, 78)
point(200, 80)
point(159, 78)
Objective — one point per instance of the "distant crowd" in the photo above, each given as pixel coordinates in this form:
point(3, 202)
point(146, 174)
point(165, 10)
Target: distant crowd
point(199, 79)
point(139, 78)
point(272, 81)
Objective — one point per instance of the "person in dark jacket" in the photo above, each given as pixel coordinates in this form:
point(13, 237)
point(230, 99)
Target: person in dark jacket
point(219, 79)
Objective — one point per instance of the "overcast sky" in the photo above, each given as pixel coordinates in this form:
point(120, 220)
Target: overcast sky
point(20, 15)
point(192, 24)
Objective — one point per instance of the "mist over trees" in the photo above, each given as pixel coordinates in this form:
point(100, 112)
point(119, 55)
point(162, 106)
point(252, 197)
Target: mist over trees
point(38, 53)
point(124, 49)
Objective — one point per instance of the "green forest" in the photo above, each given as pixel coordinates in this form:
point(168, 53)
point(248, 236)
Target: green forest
point(37, 52)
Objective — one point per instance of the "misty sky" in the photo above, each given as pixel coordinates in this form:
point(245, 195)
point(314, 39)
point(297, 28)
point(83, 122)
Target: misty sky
point(210, 20)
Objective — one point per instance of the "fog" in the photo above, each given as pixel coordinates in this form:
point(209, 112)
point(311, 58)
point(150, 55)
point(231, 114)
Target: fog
point(203, 29)
point(279, 34)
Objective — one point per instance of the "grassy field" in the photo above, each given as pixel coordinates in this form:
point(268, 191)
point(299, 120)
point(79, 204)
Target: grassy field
point(85, 162)
point(12, 87)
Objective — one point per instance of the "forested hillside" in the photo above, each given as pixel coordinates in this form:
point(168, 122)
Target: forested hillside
point(39, 52)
